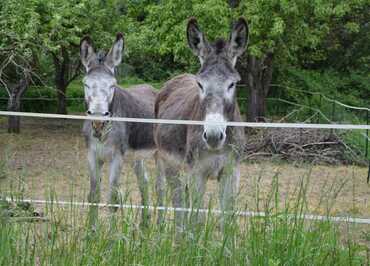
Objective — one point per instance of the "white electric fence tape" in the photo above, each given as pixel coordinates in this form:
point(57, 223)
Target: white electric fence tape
point(339, 219)
point(190, 122)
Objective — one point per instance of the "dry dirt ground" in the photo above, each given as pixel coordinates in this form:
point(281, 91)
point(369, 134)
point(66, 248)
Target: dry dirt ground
point(49, 156)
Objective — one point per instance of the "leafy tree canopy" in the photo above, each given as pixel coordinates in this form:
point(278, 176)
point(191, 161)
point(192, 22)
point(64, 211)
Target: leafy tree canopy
point(282, 27)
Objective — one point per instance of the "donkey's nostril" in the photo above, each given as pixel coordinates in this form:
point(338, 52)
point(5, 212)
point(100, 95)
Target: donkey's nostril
point(89, 112)
point(205, 135)
point(107, 114)
point(221, 136)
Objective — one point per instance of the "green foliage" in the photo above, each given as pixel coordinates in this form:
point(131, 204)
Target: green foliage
point(156, 30)
point(18, 33)
point(43, 99)
point(65, 22)
point(20, 209)
point(317, 97)
point(159, 38)
point(287, 28)
point(317, 45)
point(352, 88)
point(18, 25)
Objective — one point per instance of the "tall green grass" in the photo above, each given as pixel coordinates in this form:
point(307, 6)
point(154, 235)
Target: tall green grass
point(282, 237)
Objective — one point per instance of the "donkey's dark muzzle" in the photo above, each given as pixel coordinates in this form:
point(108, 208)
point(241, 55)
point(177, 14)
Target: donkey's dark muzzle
point(214, 140)
point(98, 127)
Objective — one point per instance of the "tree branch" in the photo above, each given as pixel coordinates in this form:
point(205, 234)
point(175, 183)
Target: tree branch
point(55, 57)
point(76, 73)
point(234, 3)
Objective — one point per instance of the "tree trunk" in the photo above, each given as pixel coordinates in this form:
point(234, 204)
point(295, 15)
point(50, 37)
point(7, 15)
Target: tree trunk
point(62, 101)
point(256, 103)
point(257, 75)
point(14, 103)
point(234, 3)
point(63, 77)
point(61, 71)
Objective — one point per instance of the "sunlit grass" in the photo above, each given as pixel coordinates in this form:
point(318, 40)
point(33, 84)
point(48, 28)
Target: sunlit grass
point(282, 237)
point(62, 235)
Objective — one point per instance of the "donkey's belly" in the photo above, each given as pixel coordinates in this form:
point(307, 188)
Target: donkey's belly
point(209, 165)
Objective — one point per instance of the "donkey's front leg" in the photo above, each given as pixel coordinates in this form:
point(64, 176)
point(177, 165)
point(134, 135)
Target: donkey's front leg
point(196, 190)
point(229, 186)
point(95, 166)
point(169, 174)
point(143, 182)
point(114, 173)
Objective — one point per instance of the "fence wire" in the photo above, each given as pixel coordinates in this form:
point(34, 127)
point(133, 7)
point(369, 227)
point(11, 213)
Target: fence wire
point(339, 219)
point(190, 122)
point(317, 115)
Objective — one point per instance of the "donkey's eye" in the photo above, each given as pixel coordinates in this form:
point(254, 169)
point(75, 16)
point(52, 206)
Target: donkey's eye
point(200, 86)
point(232, 85)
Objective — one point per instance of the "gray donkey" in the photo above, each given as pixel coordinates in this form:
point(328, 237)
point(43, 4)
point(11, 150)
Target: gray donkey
point(205, 151)
point(108, 141)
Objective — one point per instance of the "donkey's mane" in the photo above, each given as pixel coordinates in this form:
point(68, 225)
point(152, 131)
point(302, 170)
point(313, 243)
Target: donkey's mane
point(219, 45)
point(100, 67)
point(98, 63)
point(100, 57)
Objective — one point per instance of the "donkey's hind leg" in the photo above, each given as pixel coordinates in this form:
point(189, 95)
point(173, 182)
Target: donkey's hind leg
point(143, 182)
point(169, 171)
point(114, 173)
point(178, 195)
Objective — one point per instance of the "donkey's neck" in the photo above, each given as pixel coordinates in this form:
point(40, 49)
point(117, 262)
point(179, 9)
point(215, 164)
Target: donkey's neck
point(123, 103)
point(118, 102)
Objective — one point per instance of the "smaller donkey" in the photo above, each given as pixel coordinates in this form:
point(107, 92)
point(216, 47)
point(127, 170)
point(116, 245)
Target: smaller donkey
point(206, 151)
point(108, 141)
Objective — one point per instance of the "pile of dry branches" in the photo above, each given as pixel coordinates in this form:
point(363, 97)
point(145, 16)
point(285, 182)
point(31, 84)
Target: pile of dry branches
point(306, 145)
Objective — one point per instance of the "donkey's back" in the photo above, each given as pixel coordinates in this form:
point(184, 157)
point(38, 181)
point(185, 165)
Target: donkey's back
point(176, 100)
point(140, 104)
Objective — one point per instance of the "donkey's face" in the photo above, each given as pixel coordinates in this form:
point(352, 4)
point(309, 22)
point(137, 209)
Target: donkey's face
point(217, 77)
point(99, 81)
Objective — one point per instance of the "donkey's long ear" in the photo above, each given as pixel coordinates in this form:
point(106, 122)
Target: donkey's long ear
point(114, 56)
point(196, 40)
point(87, 52)
point(238, 39)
